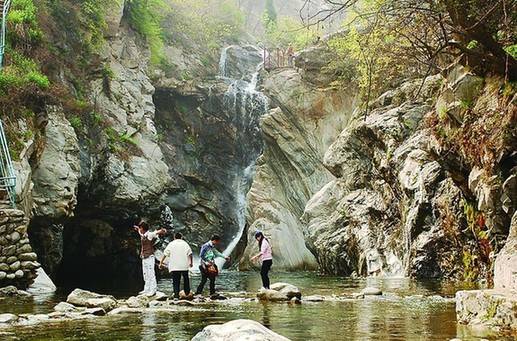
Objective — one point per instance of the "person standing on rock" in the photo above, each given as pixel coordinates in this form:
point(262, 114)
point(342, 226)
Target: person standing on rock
point(208, 268)
point(266, 255)
point(147, 239)
point(180, 261)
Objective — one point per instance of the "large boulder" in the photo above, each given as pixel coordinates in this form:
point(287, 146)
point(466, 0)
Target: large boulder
point(505, 272)
point(279, 292)
point(239, 61)
point(238, 330)
point(84, 298)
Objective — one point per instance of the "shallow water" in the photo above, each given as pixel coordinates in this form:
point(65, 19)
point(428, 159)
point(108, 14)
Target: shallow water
point(408, 310)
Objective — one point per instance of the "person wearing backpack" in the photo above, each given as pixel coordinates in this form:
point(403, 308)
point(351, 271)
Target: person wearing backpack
point(208, 268)
point(266, 255)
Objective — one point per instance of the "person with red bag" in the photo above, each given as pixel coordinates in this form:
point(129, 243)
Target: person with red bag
point(208, 268)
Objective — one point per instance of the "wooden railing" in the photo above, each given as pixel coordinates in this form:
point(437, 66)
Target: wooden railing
point(277, 58)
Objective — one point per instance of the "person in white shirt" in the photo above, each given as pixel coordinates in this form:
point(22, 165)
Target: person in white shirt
point(180, 260)
point(147, 239)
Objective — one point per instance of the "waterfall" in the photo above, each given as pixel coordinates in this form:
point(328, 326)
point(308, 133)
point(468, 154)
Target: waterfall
point(247, 105)
point(241, 187)
point(222, 61)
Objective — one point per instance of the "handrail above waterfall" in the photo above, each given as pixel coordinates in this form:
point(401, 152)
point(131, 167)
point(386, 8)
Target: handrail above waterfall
point(4, 7)
point(276, 58)
point(7, 174)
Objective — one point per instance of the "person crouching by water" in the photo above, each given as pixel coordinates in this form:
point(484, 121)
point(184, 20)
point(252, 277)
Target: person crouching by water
point(266, 255)
point(180, 260)
point(208, 268)
point(147, 239)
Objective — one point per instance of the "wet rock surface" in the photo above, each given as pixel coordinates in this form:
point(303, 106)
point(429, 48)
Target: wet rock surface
point(238, 330)
point(495, 308)
point(279, 292)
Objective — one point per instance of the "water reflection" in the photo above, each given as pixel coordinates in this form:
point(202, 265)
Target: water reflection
point(409, 310)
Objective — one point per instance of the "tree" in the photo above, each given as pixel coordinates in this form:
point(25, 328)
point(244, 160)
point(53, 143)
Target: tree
point(481, 32)
point(270, 15)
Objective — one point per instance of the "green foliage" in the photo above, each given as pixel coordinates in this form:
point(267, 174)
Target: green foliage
point(93, 20)
point(119, 142)
point(469, 263)
point(76, 122)
point(146, 17)
point(23, 26)
point(287, 31)
point(97, 118)
point(21, 72)
point(511, 50)
point(472, 44)
point(209, 24)
point(491, 310)
point(39, 79)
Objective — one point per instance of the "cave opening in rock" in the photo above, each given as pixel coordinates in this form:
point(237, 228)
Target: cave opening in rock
point(89, 251)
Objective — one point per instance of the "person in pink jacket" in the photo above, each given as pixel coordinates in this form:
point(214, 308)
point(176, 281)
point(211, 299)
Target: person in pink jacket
point(266, 255)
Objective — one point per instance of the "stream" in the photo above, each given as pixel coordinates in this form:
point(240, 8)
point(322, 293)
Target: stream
point(408, 310)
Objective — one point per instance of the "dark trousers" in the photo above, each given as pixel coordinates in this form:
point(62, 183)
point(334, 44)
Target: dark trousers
point(176, 279)
point(204, 278)
point(264, 271)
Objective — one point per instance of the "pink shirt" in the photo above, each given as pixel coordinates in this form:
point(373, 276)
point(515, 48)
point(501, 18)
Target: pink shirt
point(265, 250)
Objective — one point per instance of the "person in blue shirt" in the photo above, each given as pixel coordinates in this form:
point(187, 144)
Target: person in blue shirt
point(207, 256)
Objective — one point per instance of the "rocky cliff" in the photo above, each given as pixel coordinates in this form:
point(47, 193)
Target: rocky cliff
point(147, 138)
point(297, 132)
point(386, 193)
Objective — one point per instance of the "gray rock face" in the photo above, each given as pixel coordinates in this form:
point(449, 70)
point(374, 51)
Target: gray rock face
point(505, 272)
point(387, 210)
point(215, 124)
point(238, 330)
point(56, 177)
point(290, 171)
point(240, 62)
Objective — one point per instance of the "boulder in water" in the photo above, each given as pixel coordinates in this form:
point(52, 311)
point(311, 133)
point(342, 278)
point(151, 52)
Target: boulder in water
point(238, 330)
point(8, 318)
point(12, 291)
point(84, 298)
point(314, 298)
point(279, 292)
point(140, 301)
point(63, 307)
point(371, 291)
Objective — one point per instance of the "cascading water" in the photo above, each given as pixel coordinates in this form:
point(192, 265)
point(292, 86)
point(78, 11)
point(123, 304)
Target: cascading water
point(247, 105)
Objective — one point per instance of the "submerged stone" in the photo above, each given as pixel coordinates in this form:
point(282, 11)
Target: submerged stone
point(8, 318)
point(371, 291)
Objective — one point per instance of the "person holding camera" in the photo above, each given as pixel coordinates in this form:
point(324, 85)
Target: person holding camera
point(147, 239)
